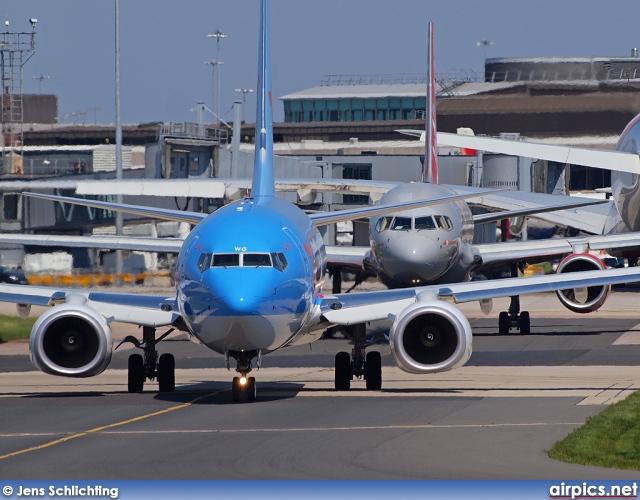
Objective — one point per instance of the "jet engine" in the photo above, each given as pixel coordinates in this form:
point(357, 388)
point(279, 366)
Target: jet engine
point(430, 336)
point(584, 299)
point(72, 340)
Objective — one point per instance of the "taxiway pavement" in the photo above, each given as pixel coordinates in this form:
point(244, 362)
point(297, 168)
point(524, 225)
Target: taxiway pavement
point(492, 419)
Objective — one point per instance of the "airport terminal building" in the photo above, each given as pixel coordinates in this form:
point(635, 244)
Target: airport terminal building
point(348, 128)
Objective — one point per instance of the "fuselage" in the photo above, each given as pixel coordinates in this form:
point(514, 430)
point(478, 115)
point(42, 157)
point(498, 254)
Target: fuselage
point(249, 276)
point(626, 186)
point(421, 246)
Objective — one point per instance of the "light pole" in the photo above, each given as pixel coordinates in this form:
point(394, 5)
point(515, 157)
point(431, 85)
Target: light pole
point(94, 110)
point(484, 44)
point(40, 78)
point(216, 103)
point(215, 88)
point(119, 197)
point(244, 98)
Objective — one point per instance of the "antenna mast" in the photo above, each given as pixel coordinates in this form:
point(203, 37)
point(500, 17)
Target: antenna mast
point(16, 48)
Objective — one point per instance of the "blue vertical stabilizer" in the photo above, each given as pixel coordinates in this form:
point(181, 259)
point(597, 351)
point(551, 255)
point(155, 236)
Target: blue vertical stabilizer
point(263, 182)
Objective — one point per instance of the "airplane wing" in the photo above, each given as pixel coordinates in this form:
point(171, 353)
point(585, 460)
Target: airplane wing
point(319, 218)
point(493, 253)
point(350, 309)
point(205, 188)
point(231, 189)
point(156, 213)
point(169, 245)
point(307, 188)
point(144, 310)
point(534, 210)
point(590, 219)
point(325, 218)
point(606, 159)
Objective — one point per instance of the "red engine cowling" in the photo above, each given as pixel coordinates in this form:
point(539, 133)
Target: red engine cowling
point(586, 299)
point(72, 340)
point(430, 336)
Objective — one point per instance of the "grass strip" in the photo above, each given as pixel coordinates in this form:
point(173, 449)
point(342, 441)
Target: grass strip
point(610, 439)
point(14, 328)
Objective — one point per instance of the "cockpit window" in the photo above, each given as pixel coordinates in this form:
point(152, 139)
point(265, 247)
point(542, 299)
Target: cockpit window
point(383, 223)
point(443, 222)
point(279, 261)
point(425, 223)
point(204, 262)
point(401, 224)
point(207, 260)
point(225, 260)
point(256, 260)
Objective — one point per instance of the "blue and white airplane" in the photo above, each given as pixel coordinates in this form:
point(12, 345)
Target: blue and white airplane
point(249, 282)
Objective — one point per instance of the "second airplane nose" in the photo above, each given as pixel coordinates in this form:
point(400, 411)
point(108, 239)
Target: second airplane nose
point(416, 257)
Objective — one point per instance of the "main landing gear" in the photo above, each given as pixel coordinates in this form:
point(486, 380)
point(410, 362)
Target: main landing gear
point(150, 366)
point(336, 275)
point(357, 364)
point(243, 388)
point(514, 318)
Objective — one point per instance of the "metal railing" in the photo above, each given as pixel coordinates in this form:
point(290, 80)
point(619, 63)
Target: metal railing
point(581, 75)
point(191, 130)
point(458, 75)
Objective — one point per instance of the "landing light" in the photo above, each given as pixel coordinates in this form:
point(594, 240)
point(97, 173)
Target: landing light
point(243, 380)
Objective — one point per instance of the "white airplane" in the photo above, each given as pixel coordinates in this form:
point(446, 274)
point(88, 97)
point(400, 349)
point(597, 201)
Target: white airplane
point(432, 245)
point(624, 164)
point(614, 225)
point(248, 283)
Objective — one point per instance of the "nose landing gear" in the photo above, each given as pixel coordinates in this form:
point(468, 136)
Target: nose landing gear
point(243, 388)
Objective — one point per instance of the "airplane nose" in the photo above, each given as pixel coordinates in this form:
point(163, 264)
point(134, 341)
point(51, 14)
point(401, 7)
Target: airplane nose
point(413, 257)
point(414, 249)
point(229, 310)
point(236, 296)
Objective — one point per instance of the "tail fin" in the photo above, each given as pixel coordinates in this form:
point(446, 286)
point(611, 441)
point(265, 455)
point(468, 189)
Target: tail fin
point(430, 173)
point(263, 185)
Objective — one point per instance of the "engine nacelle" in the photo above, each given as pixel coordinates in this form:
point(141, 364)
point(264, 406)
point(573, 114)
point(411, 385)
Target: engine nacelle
point(430, 336)
point(72, 340)
point(584, 299)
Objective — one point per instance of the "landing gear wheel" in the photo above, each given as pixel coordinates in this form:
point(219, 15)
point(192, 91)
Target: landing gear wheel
point(373, 371)
point(503, 323)
point(343, 371)
point(167, 373)
point(235, 389)
point(525, 323)
point(135, 373)
point(243, 393)
point(250, 388)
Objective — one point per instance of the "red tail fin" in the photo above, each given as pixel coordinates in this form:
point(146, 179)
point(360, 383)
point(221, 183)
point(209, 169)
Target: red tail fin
point(431, 145)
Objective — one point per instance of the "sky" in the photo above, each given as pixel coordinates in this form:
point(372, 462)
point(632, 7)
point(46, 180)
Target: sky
point(164, 46)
